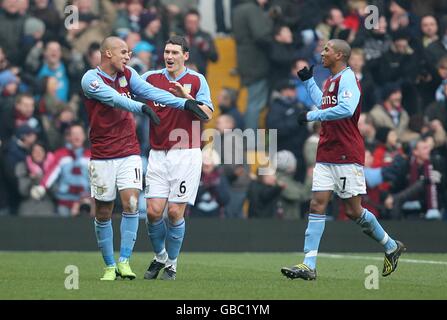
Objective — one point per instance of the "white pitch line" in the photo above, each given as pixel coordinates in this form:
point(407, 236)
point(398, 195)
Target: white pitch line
point(342, 256)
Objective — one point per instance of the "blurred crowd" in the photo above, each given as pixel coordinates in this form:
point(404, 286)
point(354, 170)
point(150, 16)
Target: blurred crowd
point(399, 56)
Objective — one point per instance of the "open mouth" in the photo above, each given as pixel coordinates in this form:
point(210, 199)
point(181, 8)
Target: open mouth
point(170, 63)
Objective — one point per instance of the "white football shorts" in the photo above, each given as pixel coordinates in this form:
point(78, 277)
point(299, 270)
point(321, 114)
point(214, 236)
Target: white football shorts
point(174, 175)
point(346, 180)
point(108, 175)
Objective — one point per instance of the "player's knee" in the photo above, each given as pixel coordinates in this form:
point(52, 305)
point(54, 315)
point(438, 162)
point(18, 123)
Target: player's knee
point(103, 214)
point(131, 206)
point(175, 213)
point(154, 211)
point(317, 206)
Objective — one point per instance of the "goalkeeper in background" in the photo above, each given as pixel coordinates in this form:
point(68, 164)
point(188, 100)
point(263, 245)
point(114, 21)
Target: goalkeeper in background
point(340, 160)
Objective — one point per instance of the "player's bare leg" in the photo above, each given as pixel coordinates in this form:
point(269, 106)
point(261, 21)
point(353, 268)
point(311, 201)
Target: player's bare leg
point(104, 236)
point(372, 228)
point(157, 231)
point(314, 231)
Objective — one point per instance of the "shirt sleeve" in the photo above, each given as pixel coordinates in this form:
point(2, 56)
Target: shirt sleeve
point(204, 95)
point(94, 88)
point(348, 98)
point(147, 91)
point(314, 91)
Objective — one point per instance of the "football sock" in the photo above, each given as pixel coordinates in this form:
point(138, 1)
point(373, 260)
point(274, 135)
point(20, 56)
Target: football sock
point(104, 236)
point(162, 256)
point(373, 229)
point(176, 232)
point(129, 228)
point(173, 263)
point(157, 233)
point(314, 231)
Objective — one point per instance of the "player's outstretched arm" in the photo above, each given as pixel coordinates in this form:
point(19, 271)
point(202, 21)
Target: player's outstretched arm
point(94, 88)
point(147, 91)
point(348, 98)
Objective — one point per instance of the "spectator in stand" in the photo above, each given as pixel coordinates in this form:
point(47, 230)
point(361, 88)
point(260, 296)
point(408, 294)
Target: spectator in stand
point(16, 151)
point(33, 32)
point(437, 49)
point(400, 63)
point(302, 95)
point(357, 64)
point(374, 42)
point(282, 54)
point(282, 116)
point(22, 113)
point(391, 113)
point(429, 29)
point(311, 145)
point(213, 193)
point(69, 171)
point(129, 20)
point(253, 32)
point(45, 11)
point(53, 66)
point(91, 27)
point(438, 109)
point(232, 151)
point(9, 88)
point(227, 102)
point(294, 193)
point(442, 72)
point(333, 26)
point(151, 32)
point(368, 131)
point(201, 44)
point(263, 196)
point(29, 173)
point(141, 59)
point(402, 18)
point(419, 192)
point(49, 109)
point(11, 26)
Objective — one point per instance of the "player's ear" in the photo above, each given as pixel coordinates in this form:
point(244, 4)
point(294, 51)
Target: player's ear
point(109, 53)
point(186, 55)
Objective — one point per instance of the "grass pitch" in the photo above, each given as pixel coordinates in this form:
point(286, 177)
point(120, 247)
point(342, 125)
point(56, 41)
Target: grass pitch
point(221, 276)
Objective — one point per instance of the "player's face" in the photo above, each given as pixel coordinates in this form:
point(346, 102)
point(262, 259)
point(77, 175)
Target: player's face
point(328, 55)
point(119, 56)
point(175, 57)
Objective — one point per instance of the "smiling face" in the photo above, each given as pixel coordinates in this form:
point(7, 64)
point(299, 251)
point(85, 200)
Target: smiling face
point(175, 58)
point(328, 55)
point(119, 55)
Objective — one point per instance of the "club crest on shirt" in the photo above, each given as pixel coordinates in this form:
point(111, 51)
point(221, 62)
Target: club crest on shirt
point(94, 85)
point(347, 94)
point(332, 87)
point(187, 87)
point(123, 82)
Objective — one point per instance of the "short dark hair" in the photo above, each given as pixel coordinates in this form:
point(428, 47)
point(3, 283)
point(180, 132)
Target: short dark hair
point(193, 11)
point(22, 96)
point(180, 41)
